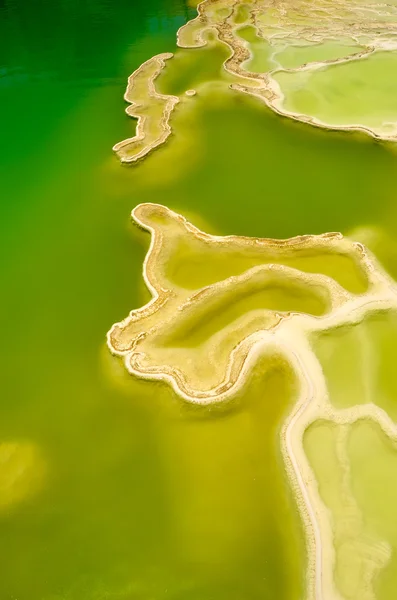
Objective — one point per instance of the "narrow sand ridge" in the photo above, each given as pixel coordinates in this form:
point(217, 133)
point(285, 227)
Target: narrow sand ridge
point(280, 293)
point(151, 109)
point(326, 63)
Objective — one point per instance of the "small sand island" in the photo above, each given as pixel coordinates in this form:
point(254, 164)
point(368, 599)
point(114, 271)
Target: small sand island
point(320, 303)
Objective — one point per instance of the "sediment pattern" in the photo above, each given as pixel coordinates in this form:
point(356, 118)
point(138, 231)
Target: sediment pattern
point(325, 63)
point(218, 304)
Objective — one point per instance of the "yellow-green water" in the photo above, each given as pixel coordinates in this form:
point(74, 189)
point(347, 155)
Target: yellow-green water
point(135, 494)
point(354, 468)
point(354, 92)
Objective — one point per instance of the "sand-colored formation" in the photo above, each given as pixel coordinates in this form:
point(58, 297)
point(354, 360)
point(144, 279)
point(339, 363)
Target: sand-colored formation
point(326, 63)
point(22, 472)
point(221, 302)
point(151, 109)
point(193, 277)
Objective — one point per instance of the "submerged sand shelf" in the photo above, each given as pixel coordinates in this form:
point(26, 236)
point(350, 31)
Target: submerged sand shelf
point(219, 304)
point(22, 473)
point(325, 63)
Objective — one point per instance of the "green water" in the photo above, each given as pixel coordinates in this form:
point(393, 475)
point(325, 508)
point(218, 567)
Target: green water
point(141, 496)
point(358, 362)
point(260, 50)
point(188, 70)
point(274, 297)
point(374, 464)
point(363, 515)
point(354, 92)
point(296, 56)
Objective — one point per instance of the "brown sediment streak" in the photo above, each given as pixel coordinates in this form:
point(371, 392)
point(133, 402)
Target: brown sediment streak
point(154, 343)
point(135, 148)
